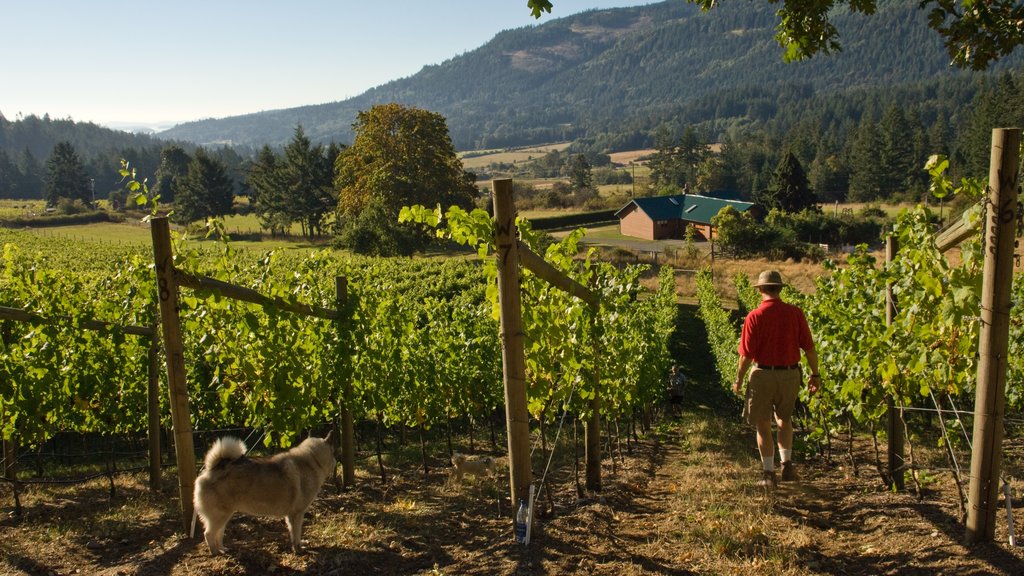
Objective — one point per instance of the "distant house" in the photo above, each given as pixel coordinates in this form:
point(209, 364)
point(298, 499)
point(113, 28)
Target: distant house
point(663, 217)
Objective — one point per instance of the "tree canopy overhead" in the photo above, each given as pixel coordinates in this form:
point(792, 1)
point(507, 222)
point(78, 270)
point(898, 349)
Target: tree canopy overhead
point(976, 32)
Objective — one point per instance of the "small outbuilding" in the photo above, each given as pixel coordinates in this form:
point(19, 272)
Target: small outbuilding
point(666, 217)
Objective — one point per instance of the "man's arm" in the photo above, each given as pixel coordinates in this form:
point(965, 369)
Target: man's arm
point(741, 371)
point(814, 379)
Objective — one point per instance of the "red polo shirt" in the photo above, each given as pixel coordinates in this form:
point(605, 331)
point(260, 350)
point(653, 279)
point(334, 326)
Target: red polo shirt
point(774, 334)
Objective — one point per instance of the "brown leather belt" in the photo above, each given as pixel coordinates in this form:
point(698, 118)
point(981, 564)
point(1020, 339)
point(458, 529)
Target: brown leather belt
point(790, 367)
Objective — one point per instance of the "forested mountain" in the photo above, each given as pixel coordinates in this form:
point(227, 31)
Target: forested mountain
point(861, 122)
point(27, 143)
point(628, 71)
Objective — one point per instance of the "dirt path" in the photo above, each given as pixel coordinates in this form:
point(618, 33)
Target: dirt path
point(689, 505)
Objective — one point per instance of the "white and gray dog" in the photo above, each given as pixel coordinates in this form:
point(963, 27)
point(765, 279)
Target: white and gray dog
point(282, 485)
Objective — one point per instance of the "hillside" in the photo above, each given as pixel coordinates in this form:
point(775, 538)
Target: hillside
point(624, 70)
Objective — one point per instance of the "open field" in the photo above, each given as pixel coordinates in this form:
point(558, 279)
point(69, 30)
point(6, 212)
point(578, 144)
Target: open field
point(21, 208)
point(631, 156)
point(481, 159)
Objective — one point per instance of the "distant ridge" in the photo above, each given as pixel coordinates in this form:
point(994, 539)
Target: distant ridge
point(622, 70)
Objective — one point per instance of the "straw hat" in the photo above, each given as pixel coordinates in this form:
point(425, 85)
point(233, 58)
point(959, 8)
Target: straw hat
point(769, 278)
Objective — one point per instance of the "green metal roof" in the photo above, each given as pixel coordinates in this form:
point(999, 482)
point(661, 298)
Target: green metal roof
point(689, 207)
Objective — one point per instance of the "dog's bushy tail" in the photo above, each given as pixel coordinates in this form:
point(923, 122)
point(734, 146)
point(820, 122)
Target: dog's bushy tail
point(226, 448)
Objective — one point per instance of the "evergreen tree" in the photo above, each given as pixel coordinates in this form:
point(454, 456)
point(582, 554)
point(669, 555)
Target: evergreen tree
point(205, 191)
point(662, 163)
point(692, 150)
point(66, 176)
point(31, 182)
point(865, 183)
point(305, 174)
point(896, 161)
point(676, 163)
point(828, 175)
point(269, 197)
point(788, 189)
point(174, 162)
point(8, 176)
point(581, 176)
point(993, 107)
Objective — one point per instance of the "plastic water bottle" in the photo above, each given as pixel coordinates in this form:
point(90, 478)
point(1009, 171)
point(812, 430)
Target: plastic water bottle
point(522, 516)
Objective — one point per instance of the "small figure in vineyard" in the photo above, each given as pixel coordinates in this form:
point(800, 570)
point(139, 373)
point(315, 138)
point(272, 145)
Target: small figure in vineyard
point(676, 388)
point(772, 338)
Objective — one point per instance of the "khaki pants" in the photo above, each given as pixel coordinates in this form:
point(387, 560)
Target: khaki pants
point(771, 393)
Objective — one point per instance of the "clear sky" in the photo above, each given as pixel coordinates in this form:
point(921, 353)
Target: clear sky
point(117, 63)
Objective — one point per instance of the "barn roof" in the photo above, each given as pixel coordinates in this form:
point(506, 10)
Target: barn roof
point(689, 207)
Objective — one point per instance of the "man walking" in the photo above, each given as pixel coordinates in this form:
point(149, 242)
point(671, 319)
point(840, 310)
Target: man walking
point(772, 338)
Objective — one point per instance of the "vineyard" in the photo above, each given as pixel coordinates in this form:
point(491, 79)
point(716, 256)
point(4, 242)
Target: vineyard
point(922, 360)
point(415, 346)
point(414, 349)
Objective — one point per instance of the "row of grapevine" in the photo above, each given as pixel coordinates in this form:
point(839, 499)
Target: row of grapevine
point(624, 341)
point(723, 333)
point(926, 356)
point(419, 341)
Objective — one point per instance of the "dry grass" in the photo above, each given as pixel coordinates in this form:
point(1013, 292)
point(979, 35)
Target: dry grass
point(21, 208)
point(681, 499)
point(516, 156)
point(627, 157)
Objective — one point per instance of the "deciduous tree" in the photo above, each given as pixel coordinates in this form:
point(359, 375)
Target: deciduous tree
point(401, 156)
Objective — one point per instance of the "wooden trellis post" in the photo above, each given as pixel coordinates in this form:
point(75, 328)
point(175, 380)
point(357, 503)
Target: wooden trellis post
point(513, 354)
point(10, 446)
point(895, 424)
point(990, 400)
point(154, 410)
point(167, 295)
point(510, 254)
point(348, 443)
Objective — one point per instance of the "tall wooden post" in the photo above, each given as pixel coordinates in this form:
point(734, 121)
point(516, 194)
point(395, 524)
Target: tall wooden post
point(513, 354)
point(154, 410)
point(10, 446)
point(348, 441)
point(167, 294)
point(990, 401)
point(592, 436)
point(895, 430)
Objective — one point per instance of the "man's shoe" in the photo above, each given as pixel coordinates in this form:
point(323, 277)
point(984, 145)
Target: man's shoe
point(768, 479)
point(788, 472)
